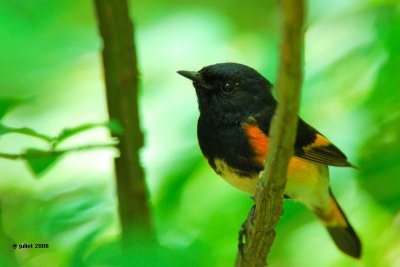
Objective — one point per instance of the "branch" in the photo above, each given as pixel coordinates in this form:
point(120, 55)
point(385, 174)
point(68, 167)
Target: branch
point(46, 153)
point(259, 229)
point(121, 79)
point(26, 131)
point(54, 141)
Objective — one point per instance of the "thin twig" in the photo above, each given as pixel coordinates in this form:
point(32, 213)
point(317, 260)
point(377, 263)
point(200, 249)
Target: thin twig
point(53, 140)
point(269, 195)
point(28, 132)
point(11, 156)
point(46, 153)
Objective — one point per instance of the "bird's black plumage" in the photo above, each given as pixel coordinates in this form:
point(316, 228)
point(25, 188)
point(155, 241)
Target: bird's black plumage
point(249, 95)
point(236, 107)
point(222, 113)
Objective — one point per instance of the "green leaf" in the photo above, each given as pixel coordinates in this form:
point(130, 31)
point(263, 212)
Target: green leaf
point(40, 161)
point(69, 132)
point(115, 127)
point(6, 104)
point(25, 131)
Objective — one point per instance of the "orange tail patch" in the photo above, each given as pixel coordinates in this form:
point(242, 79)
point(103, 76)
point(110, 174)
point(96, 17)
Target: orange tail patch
point(336, 216)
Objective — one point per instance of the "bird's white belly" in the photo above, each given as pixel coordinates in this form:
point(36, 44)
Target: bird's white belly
point(307, 182)
point(245, 184)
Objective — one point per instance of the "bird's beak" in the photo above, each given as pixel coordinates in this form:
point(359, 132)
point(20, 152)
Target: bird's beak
point(195, 76)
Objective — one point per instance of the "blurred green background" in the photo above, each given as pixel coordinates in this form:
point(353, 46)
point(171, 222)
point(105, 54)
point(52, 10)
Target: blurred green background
point(50, 56)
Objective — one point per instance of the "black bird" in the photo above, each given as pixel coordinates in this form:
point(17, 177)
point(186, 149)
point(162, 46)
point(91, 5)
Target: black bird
point(236, 107)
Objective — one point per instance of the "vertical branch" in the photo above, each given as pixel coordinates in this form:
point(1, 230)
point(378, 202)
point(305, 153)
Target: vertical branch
point(121, 78)
point(260, 228)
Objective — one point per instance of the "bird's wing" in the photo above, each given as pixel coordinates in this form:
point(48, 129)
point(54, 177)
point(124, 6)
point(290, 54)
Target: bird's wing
point(310, 144)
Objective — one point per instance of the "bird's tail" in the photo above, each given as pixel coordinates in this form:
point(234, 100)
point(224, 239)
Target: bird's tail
point(340, 229)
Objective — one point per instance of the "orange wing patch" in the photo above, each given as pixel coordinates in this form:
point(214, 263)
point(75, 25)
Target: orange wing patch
point(258, 141)
point(321, 150)
point(321, 141)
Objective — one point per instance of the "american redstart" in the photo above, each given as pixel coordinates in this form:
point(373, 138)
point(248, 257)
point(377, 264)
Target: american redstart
point(236, 107)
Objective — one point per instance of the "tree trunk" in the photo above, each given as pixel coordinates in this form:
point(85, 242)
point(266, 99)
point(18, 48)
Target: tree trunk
point(121, 79)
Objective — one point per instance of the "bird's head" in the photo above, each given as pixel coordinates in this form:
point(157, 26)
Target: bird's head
point(230, 90)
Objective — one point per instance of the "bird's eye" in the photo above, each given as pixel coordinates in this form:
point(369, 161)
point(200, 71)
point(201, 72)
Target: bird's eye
point(227, 87)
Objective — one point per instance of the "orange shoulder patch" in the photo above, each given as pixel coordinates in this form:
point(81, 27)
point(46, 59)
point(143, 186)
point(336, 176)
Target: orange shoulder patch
point(258, 141)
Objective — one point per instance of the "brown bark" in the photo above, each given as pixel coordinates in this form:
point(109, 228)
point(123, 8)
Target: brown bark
point(259, 228)
point(121, 79)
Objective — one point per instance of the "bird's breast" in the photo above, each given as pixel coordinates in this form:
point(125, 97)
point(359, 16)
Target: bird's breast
point(242, 181)
point(307, 182)
point(228, 147)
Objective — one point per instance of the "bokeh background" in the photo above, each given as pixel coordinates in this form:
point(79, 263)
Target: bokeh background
point(50, 57)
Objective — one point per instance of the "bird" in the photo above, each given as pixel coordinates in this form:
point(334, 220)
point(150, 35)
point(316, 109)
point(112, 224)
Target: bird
point(236, 106)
